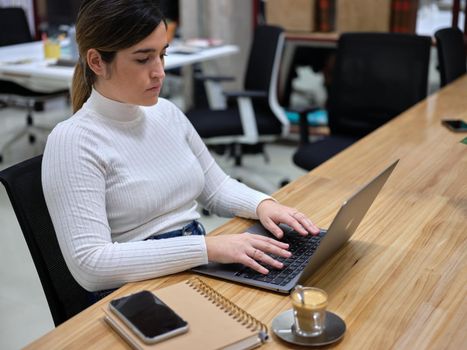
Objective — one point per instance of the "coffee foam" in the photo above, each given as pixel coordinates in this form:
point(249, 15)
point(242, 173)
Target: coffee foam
point(311, 298)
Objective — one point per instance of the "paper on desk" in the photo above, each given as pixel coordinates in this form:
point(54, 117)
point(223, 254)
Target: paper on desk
point(17, 62)
point(184, 49)
point(204, 42)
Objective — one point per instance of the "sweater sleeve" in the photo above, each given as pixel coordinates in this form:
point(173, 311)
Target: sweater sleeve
point(73, 179)
point(222, 194)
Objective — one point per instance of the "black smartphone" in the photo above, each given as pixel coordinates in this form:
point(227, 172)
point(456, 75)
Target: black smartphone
point(148, 316)
point(456, 125)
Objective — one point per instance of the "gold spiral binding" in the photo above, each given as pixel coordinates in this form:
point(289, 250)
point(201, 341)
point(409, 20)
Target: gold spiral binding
point(229, 307)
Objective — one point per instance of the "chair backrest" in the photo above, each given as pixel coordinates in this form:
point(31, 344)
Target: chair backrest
point(24, 187)
point(451, 54)
point(14, 27)
point(261, 58)
point(263, 71)
point(376, 77)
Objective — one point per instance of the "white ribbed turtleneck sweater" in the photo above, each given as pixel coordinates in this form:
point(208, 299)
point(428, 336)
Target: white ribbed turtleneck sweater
point(114, 174)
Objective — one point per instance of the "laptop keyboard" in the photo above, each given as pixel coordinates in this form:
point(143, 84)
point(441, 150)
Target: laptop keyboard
point(301, 247)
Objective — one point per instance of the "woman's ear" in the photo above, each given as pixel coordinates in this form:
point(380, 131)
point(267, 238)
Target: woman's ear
point(96, 63)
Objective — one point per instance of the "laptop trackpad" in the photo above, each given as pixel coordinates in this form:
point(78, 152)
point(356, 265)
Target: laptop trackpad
point(259, 229)
point(214, 267)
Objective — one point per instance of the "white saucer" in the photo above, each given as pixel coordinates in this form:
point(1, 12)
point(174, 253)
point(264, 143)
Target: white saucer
point(282, 326)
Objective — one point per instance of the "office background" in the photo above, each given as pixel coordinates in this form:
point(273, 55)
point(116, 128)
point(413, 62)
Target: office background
point(24, 311)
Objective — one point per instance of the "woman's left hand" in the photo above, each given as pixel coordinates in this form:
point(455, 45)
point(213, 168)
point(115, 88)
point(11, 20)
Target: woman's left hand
point(272, 213)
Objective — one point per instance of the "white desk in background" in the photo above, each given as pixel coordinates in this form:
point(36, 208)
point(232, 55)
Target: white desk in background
point(25, 65)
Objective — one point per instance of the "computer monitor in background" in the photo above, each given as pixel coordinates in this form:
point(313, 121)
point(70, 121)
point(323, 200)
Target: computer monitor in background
point(61, 12)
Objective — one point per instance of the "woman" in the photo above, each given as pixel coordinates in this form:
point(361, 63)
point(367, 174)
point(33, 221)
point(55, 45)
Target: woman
point(123, 175)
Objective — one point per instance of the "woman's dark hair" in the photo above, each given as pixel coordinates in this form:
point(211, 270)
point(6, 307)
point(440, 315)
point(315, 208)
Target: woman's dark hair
point(109, 26)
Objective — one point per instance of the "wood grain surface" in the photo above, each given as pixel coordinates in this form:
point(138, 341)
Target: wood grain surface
point(401, 281)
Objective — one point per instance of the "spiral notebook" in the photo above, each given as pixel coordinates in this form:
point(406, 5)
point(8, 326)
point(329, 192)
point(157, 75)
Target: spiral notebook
point(214, 321)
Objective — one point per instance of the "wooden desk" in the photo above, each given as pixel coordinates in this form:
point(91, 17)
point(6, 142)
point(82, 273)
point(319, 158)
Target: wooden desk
point(316, 39)
point(401, 281)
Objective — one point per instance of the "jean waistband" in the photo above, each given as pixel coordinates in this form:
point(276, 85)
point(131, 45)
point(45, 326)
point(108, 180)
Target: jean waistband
point(194, 228)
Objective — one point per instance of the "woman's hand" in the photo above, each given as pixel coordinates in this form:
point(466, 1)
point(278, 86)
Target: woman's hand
point(272, 213)
point(247, 249)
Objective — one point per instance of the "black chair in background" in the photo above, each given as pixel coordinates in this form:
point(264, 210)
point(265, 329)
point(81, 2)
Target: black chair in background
point(451, 54)
point(376, 77)
point(253, 116)
point(24, 187)
point(14, 26)
point(14, 29)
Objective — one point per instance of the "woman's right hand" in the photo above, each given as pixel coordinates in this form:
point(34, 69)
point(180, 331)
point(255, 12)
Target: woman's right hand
point(247, 249)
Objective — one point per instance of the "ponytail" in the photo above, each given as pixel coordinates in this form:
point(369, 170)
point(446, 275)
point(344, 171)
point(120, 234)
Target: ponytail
point(81, 87)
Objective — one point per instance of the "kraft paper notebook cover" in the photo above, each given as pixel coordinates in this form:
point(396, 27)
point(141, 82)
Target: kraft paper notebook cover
point(214, 321)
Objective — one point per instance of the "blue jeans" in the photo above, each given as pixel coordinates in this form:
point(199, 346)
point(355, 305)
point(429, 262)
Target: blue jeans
point(194, 228)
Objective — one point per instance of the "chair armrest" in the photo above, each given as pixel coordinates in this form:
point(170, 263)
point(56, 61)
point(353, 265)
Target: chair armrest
point(215, 78)
point(246, 93)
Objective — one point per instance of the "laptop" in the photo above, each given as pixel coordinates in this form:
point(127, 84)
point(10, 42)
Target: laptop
point(309, 252)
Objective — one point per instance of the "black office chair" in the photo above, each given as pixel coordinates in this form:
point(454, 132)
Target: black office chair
point(253, 116)
point(451, 54)
point(256, 117)
point(14, 29)
point(24, 187)
point(376, 77)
